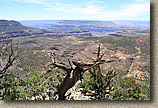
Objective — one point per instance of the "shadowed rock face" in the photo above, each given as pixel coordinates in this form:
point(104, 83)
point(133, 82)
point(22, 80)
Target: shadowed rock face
point(32, 33)
point(9, 23)
point(6, 25)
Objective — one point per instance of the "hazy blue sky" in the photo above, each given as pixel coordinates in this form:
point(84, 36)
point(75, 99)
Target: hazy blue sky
point(75, 9)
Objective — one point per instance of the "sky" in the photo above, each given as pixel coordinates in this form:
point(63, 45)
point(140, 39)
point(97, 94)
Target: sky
point(75, 10)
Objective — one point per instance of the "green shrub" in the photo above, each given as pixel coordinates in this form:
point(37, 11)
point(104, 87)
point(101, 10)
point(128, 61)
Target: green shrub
point(98, 85)
point(128, 89)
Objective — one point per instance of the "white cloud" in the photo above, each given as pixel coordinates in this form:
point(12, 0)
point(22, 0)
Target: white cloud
point(41, 2)
point(92, 7)
point(140, 1)
point(95, 9)
point(130, 11)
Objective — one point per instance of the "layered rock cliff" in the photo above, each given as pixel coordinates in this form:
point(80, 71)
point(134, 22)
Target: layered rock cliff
point(11, 25)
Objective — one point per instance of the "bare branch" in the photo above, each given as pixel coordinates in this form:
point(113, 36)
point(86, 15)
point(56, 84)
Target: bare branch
point(60, 66)
point(70, 63)
point(45, 81)
point(9, 55)
point(57, 64)
point(98, 54)
point(94, 65)
point(111, 61)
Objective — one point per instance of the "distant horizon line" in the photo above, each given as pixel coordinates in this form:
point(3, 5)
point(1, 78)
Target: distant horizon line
point(68, 20)
point(77, 20)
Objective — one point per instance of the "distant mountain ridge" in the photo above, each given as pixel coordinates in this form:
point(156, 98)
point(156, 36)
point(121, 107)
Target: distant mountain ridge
point(97, 28)
point(11, 25)
point(80, 22)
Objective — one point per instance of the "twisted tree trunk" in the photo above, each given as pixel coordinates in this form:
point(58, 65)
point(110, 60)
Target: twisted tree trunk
point(69, 81)
point(75, 74)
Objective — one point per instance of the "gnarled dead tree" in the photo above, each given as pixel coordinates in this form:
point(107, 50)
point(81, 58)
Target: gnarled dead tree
point(75, 73)
point(8, 55)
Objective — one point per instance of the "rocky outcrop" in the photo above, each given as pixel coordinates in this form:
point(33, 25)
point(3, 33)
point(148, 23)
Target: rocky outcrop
point(129, 33)
point(9, 23)
point(6, 25)
point(75, 93)
point(117, 35)
point(14, 34)
point(34, 33)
